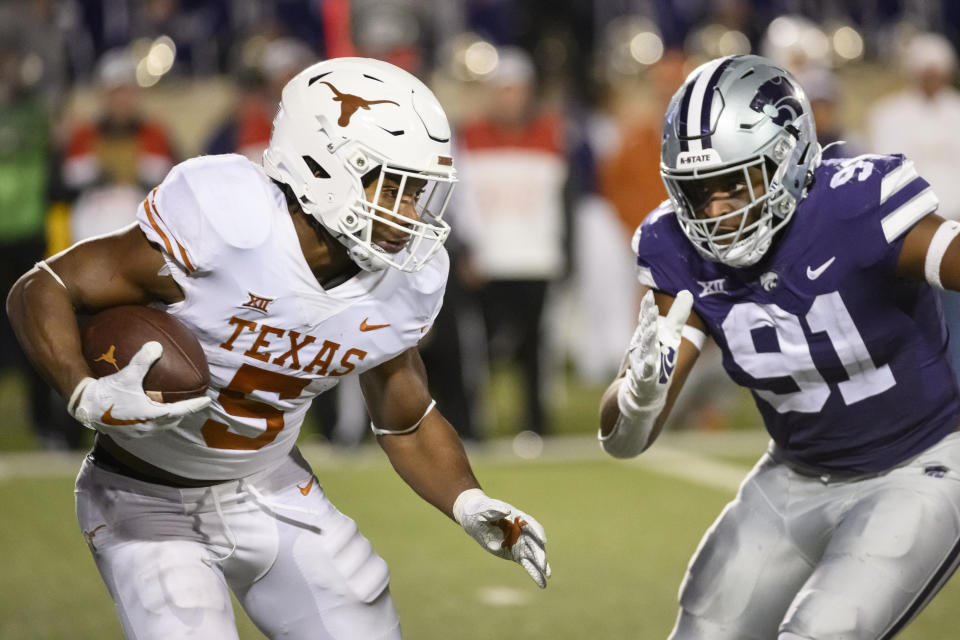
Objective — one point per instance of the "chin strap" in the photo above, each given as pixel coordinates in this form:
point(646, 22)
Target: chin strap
point(365, 258)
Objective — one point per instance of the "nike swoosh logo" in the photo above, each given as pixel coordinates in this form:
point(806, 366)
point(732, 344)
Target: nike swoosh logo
point(371, 327)
point(306, 489)
point(813, 274)
point(107, 418)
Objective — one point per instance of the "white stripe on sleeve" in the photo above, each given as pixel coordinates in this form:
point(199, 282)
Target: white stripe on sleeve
point(902, 218)
point(897, 179)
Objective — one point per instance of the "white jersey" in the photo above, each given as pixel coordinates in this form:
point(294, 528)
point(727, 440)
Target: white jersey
point(273, 337)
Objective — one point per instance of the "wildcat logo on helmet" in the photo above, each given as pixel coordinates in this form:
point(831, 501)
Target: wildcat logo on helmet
point(703, 158)
point(779, 99)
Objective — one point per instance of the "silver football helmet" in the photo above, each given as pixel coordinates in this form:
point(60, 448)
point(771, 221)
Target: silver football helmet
point(345, 119)
point(735, 120)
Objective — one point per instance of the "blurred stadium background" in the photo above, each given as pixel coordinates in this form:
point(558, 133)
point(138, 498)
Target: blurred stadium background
point(98, 97)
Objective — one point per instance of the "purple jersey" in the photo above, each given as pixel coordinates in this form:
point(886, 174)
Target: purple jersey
point(846, 361)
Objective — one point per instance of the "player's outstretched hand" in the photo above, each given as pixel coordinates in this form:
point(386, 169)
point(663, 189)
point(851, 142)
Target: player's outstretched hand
point(117, 404)
point(652, 353)
point(504, 531)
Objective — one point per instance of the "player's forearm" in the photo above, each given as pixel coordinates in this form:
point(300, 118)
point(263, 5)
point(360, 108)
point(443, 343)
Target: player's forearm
point(43, 319)
point(432, 461)
point(625, 434)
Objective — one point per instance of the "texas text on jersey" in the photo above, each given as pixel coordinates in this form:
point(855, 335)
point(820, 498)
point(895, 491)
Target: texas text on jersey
point(821, 333)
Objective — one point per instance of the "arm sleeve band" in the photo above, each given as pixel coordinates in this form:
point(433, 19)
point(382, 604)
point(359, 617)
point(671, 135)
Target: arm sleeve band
point(945, 234)
point(43, 265)
point(416, 425)
point(694, 335)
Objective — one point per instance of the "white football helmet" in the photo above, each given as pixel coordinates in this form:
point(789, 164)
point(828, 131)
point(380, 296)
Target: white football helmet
point(732, 114)
point(339, 120)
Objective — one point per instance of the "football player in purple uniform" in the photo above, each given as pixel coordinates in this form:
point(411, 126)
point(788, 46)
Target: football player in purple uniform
point(818, 280)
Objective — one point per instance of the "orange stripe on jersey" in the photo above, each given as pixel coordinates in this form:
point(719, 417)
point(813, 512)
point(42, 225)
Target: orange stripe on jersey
point(166, 242)
point(156, 227)
point(183, 252)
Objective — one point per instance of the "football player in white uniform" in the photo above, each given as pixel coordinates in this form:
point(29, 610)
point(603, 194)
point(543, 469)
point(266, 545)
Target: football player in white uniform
point(817, 280)
point(327, 260)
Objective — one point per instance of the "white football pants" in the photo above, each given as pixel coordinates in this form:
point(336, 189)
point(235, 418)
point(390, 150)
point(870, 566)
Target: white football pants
point(809, 558)
point(298, 566)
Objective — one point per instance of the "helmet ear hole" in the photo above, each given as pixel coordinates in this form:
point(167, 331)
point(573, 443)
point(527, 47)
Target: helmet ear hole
point(315, 168)
point(370, 176)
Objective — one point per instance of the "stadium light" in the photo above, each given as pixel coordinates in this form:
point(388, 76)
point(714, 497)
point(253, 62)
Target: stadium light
point(480, 58)
point(161, 56)
point(733, 42)
point(646, 47)
point(847, 43)
point(796, 40)
point(157, 61)
point(783, 32)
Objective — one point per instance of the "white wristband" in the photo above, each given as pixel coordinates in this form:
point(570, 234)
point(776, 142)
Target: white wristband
point(75, 397)
point(945, 234)
point(632, 430)
point(462, 499)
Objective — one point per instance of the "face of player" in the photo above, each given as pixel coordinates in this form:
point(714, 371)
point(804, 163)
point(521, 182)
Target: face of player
point(388, 237)
point(721, 197)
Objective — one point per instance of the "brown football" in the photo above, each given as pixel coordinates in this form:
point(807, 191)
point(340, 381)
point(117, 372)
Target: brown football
point(111, 337)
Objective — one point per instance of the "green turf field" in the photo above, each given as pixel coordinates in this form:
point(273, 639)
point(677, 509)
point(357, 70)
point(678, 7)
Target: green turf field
point(620, 535)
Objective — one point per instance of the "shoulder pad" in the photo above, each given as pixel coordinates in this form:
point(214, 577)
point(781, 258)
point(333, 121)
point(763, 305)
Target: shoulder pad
point(887, 187)
point(233, 195)
point(651, 223)
point(206, 204)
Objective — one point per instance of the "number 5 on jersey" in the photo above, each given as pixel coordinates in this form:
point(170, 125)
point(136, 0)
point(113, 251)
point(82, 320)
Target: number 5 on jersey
point(233, 398)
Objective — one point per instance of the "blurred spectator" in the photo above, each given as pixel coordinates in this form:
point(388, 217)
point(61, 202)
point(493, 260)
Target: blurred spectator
point(514, 219)
point(112, 163)
point(197, 28)
point(630, 177)
point(454, 350)
point(24, 165)
point(919, 122)
point(247, 129)
point(47, 61)
point(820, 85)
point(603, 261)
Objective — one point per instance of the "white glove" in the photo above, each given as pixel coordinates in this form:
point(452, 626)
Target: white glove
point(652, 354)
point(504, 531)
point(117, 404)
